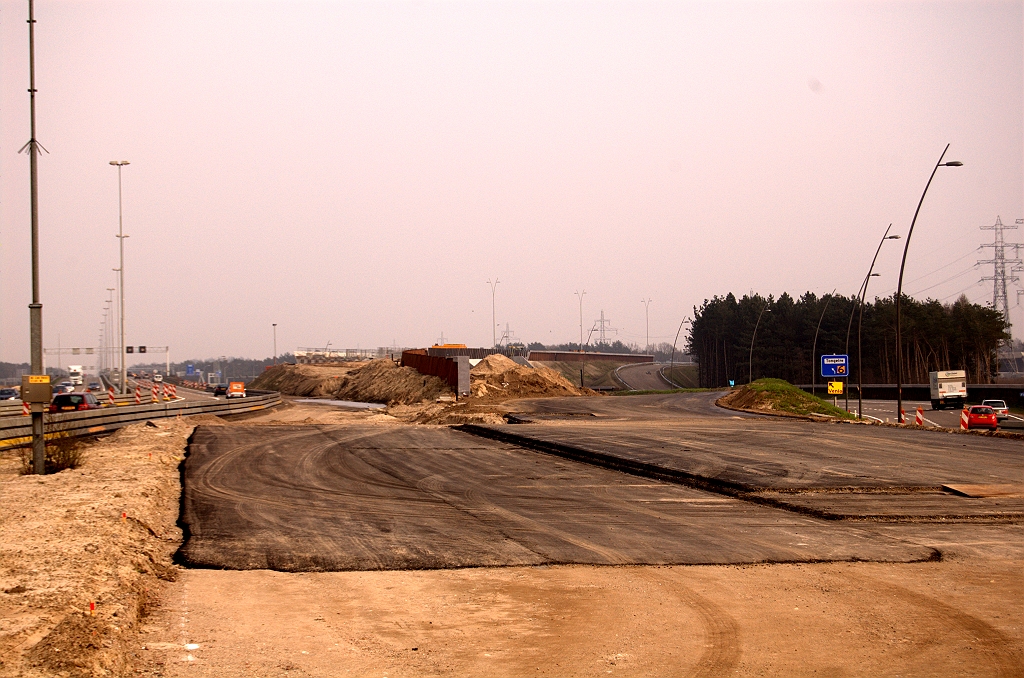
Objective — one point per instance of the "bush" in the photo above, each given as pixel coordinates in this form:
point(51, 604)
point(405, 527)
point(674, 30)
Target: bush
point(63, 449)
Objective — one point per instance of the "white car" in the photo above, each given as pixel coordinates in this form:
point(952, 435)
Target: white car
point(999, 407)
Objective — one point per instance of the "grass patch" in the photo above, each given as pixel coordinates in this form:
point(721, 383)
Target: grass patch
point(781, 396)
point(671, 390)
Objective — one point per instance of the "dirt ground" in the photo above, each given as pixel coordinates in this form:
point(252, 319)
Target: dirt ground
point(959, 618)
point(64, 545)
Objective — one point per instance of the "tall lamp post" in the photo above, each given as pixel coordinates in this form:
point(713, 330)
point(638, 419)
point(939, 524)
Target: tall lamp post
point(120, 271)
point(814, 346)
point(647, 313)
point(275, 342)
point(899, 285)
point(750, 360)
point(861, 296)
point(494, 322)
point(583, 365)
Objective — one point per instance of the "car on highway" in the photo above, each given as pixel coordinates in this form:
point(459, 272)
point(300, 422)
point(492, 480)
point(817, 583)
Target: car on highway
point(999, 407)
point(64, 387)
point(236, 389)
point(982, 416)
point(73, 402)
point(8, 394)
point(95, 386)
point(220, 389)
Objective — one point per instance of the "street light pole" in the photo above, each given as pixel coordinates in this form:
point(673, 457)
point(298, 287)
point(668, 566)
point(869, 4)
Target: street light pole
point(275, 342)
point(899, 285)
point(121, 236)
point(814, 347)
point(750, 361)
point(861, 295)
point(583, 365)
point(494, 322)
point(647, 312)
point(109, 351)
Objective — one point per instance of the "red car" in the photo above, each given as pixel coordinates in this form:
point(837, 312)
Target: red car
point(982, 416)
point(73, 402)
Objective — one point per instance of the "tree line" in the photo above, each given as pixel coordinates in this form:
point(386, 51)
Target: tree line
point(935, 336)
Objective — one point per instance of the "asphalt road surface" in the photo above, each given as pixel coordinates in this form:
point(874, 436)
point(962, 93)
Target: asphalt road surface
point(363, 497)
point(643, 377)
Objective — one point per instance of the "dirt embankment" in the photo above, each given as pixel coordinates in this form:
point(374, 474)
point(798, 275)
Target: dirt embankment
point(493, 381)
point(99, 535)
point(376, 381)
point(306, 381)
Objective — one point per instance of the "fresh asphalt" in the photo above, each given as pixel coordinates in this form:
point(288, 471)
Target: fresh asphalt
point(309, 498)
point(747, 489)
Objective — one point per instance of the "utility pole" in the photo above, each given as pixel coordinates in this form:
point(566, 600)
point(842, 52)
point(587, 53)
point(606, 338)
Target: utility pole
point(494, 322)
point(121, 236)
point(647, 312)
point(275, 342)
point(36, 307)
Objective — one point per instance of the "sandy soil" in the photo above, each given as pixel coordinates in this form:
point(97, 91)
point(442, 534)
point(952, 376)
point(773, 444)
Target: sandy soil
point(956, 618)
point(101, 536)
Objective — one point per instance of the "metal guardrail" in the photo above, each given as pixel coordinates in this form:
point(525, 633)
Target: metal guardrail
point(16, 431)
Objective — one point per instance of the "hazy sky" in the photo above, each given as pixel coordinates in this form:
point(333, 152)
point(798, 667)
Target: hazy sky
point(356, 171)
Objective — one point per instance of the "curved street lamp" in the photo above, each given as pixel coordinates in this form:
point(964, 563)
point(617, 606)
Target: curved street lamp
point(750, 359)
point(861, 296)
point(814, 347)
point(899, 285)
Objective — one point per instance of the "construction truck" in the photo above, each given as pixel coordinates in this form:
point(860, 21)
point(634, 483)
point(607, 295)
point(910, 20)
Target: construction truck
point(948, 389)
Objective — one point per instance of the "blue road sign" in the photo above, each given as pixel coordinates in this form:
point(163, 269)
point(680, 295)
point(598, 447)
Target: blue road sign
point(190, 370)
point(835, 366)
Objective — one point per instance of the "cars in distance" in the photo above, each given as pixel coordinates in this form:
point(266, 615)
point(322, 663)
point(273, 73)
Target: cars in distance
point(73, 402)
point(999, 407)
point(158, 377)
point(948, 389)
point(236, 389)
point(75, 374)
point(220, 389)
point(982, 416)
point(64, 387)
point(8, 394)
point(95, 386)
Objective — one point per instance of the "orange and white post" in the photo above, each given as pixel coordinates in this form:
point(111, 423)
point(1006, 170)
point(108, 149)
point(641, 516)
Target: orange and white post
point(963, 419)
point(919, 417)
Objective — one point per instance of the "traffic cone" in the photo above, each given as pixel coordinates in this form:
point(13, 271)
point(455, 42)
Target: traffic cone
point(919, 417)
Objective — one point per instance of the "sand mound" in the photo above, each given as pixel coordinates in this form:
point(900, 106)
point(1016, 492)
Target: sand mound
point(307, 381)
point(382, 381)
point(499, 378)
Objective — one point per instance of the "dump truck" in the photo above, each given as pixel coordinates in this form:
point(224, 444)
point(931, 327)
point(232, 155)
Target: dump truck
point(948, 389)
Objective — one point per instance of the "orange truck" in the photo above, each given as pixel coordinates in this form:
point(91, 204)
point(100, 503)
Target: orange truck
point(236, 389)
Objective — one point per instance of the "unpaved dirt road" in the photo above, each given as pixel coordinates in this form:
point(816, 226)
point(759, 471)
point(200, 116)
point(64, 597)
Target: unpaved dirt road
point(960, 615)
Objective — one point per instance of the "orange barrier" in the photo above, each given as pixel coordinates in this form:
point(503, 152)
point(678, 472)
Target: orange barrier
point(963, 419)
point(919, 418)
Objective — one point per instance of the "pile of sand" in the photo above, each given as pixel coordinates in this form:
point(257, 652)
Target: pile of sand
point(497, 378)
point(382, 381)
point(307, 381)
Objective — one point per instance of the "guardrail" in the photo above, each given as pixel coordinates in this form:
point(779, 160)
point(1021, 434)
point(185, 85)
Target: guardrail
point(17, 430)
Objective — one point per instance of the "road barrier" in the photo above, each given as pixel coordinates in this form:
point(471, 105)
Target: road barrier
point(15, 431)
point(963, 419)
point(919, 417)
